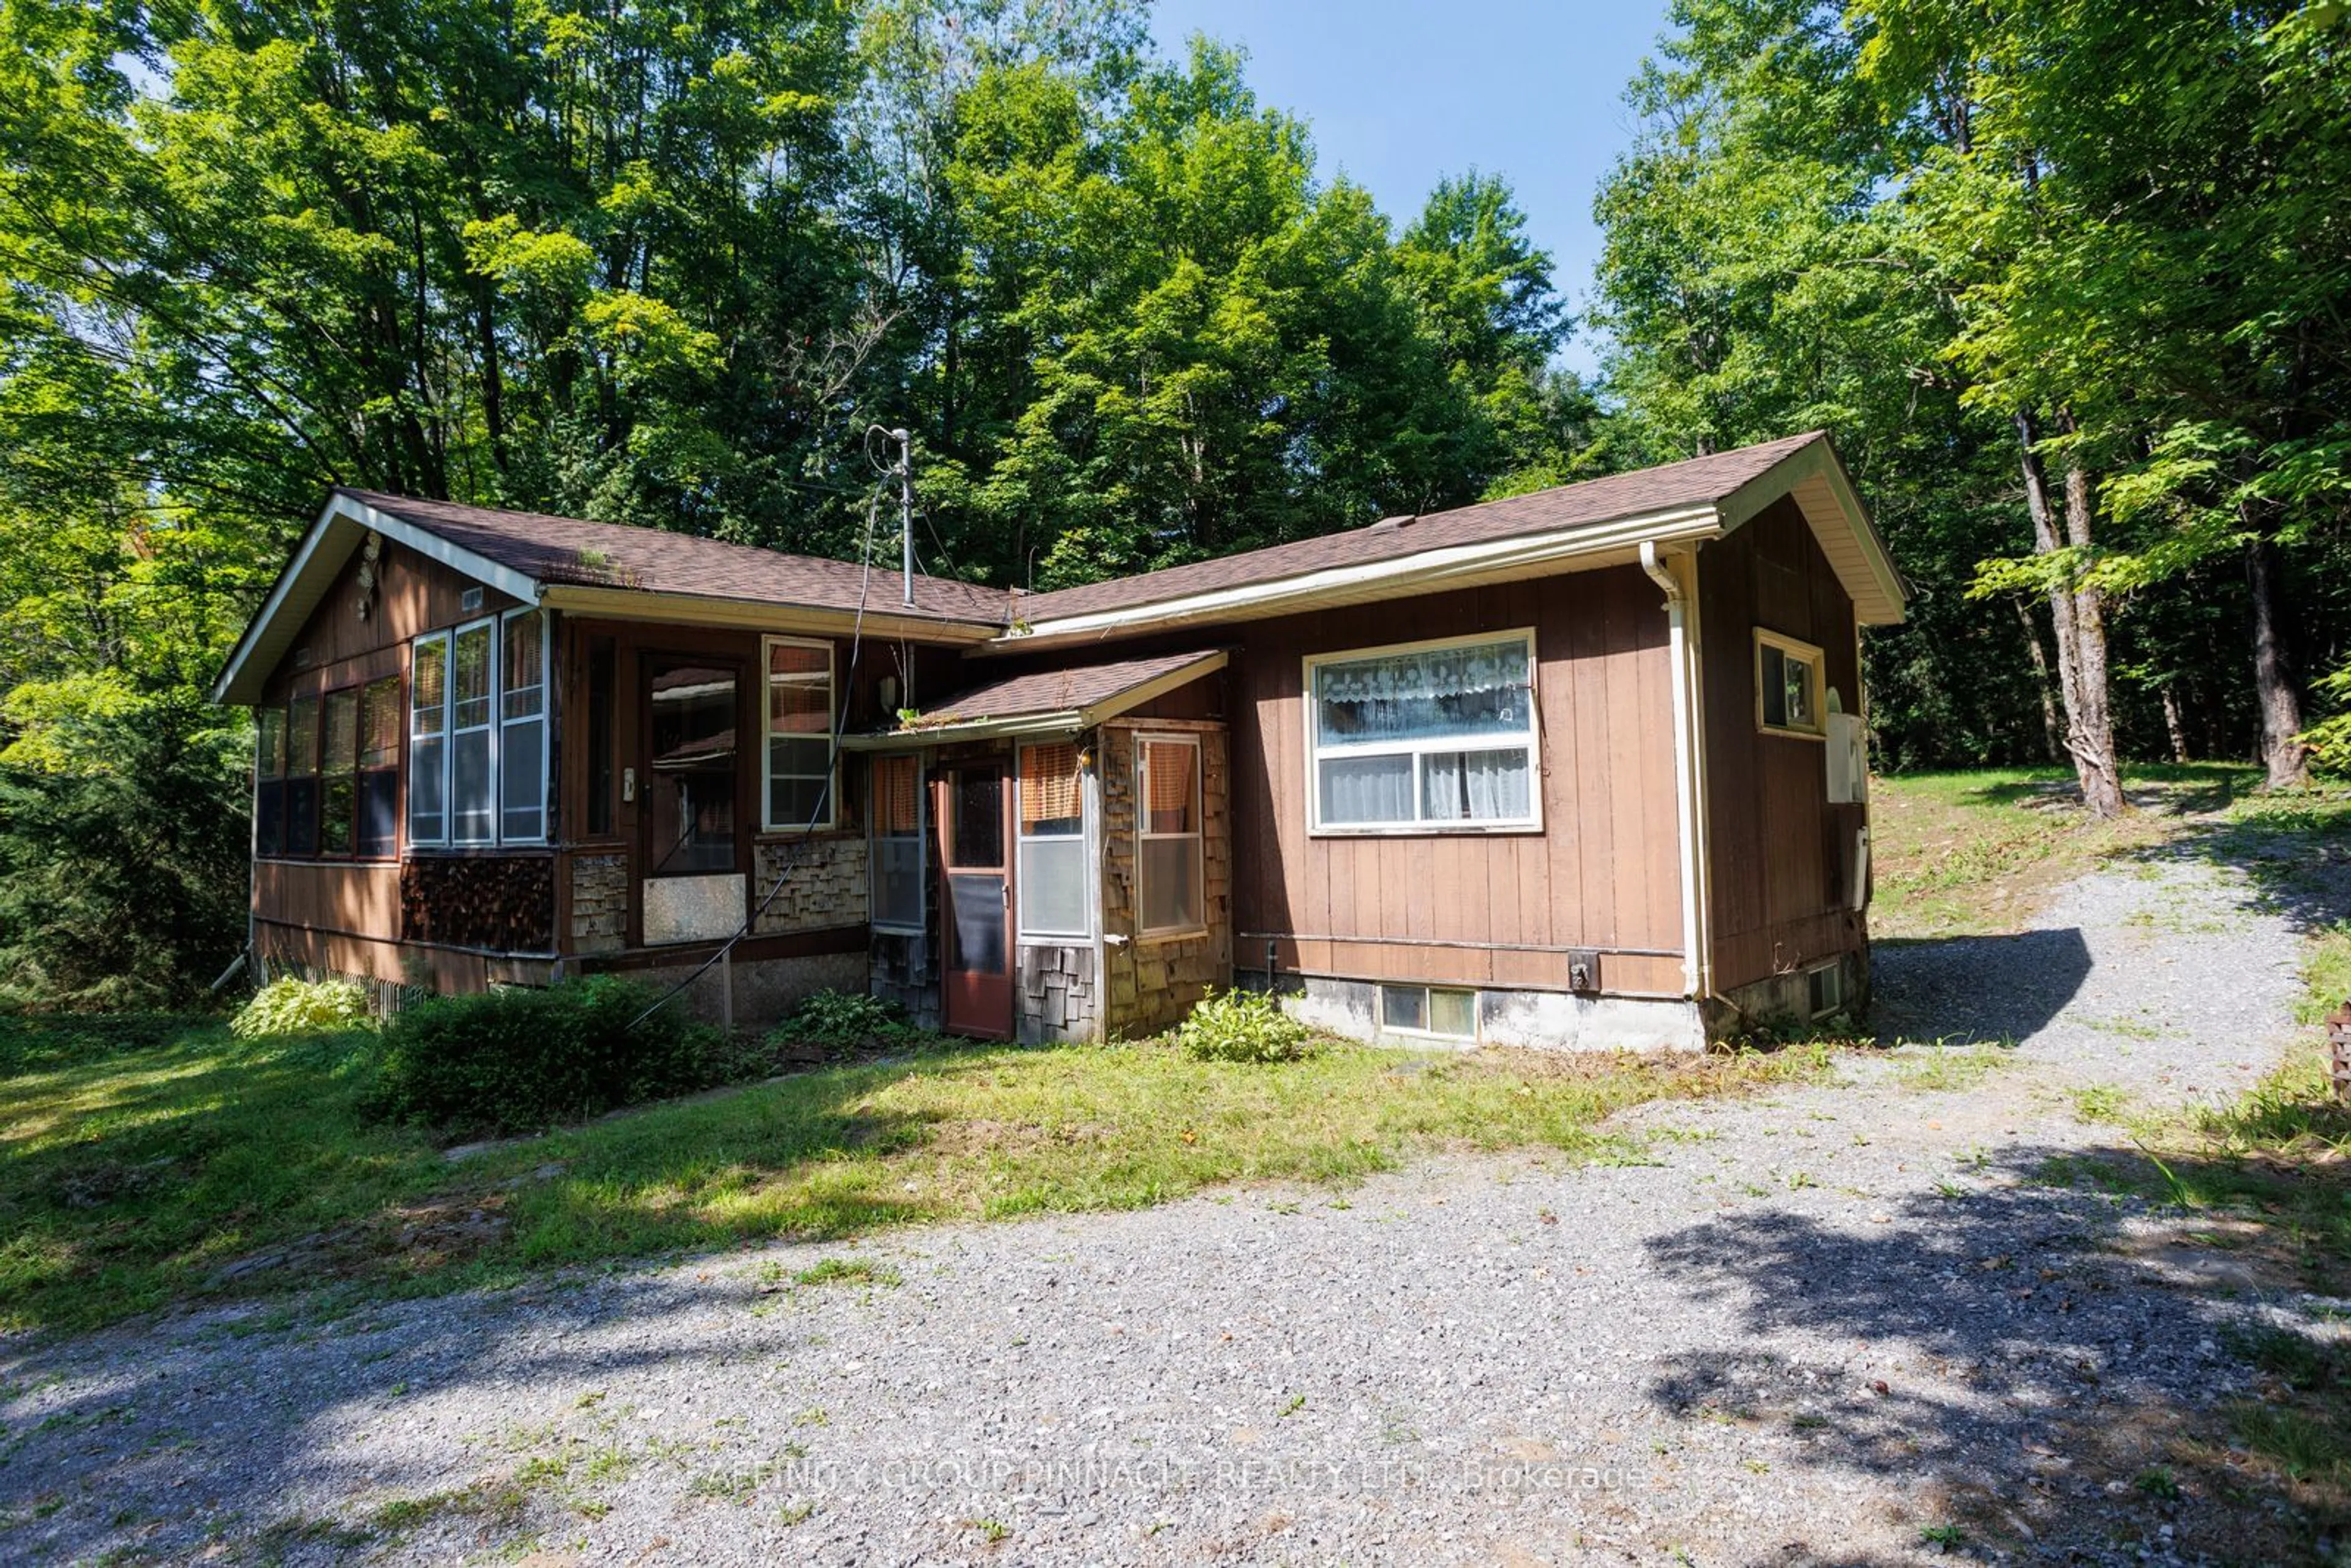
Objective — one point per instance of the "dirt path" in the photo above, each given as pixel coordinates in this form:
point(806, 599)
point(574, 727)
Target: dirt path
point(1814, 1328)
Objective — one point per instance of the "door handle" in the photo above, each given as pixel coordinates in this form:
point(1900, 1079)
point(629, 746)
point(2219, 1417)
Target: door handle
point(628, 786)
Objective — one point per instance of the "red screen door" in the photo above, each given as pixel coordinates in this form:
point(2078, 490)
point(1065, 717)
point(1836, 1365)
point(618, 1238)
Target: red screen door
point(976, 988)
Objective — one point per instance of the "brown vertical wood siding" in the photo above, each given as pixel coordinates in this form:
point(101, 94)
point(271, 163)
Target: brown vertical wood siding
point(1474, 908)
point(1777, 849)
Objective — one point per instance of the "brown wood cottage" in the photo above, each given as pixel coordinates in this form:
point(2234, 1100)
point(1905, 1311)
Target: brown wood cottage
point(1583, 767)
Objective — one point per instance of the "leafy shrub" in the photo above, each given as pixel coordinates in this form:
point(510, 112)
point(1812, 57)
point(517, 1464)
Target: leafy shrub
point(843, 1022)
point(122, 855)
point(301, 1006)
point(1244, 1026)
point(523, 1059)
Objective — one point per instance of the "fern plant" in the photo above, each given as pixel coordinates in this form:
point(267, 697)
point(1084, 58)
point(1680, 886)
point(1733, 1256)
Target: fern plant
point(301, 1006)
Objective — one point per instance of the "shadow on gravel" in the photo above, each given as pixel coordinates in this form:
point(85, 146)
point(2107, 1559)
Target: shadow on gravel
point(2296, 860)
point(1937, 990)
point(2042, 1377)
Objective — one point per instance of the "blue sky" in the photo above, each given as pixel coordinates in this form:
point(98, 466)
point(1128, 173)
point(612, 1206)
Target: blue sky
point(1400, 94)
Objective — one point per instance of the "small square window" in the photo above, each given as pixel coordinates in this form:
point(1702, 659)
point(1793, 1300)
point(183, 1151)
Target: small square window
point(1453, 1013)
point(1404, 1006)
point(1824, 989)
point(1788, 685)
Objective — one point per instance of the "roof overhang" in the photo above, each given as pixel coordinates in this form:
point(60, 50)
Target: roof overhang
point(318, 559)
point(1812, 475)
point(1816, 479)
point(753, 614)
point(1584, 546)
point(948, 730)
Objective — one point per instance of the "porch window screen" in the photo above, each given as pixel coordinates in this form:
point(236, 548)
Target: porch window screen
point(339, 789)
point(269, 781)
point(800, 735)
point(1052, 842)
point(1428, 737)
point(378, 769)
point(428, 741)
point(473, 737)
point(1169, 893)
point(897, 864)
point(302, 777)
point(522, 730)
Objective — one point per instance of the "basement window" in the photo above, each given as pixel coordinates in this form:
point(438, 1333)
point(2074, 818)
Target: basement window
point(1787, 685)
point(1824, 989)
point(1430, 1010)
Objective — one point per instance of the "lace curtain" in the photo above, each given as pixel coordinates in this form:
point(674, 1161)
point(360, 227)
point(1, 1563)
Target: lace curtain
point(1473, 691)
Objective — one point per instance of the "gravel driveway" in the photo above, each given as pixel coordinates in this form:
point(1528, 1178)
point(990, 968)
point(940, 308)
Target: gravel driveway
point(1806, 1328)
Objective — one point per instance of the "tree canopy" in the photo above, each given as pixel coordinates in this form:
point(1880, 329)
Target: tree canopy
point(2069, 285)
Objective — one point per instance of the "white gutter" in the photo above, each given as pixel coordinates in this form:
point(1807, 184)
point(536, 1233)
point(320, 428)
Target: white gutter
point(1418, 572)
point(1697, 962)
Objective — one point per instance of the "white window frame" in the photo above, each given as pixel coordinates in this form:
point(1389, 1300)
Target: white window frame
point(1814, 661)
point(446, 637)
point(766, 750)
point(497, 659)
point(873, 841)
point(1428, 1010)
point(1199, 837)
point(1022, 931)
point(447, 640)
point(1422, 826)
point(542, 718)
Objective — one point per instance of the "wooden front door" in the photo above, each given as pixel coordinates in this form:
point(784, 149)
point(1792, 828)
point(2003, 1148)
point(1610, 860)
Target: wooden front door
point(975, 900)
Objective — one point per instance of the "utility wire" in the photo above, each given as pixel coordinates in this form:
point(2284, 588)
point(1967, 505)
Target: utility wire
point(824, 796)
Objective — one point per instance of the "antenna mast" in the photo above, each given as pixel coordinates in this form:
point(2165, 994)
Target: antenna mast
point(907, 512)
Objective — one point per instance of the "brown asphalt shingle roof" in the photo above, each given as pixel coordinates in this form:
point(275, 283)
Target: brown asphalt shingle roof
point(1697, 481)
point(1057, 691)
point(550, 549)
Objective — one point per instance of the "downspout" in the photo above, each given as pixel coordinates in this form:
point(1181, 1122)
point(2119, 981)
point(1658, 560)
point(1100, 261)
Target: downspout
point(1697, 962)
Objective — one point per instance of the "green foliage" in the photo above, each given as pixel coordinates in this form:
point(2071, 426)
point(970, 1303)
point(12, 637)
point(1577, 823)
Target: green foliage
point(844, 1023)
point(122, 868)
point(1244, 1026)
point(528, 1057)
point(301, 1006)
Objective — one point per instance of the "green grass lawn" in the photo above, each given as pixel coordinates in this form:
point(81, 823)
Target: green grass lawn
point(1972, 853)
point(144, 1163)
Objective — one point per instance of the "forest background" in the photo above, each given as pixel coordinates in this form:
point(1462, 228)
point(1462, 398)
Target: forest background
point(2070, 284)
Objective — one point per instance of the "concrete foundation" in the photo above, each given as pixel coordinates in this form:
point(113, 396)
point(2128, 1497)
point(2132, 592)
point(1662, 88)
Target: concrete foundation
point(1539, 1021)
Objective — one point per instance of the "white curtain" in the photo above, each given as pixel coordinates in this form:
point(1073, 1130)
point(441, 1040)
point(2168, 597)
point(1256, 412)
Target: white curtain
point(1367, 790)
point(1481, 690)
point(1475, 786)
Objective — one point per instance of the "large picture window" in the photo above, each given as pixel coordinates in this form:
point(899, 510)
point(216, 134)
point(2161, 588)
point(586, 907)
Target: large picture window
point(897, 866)
point(800, 735)
point(1433, 736)
point(1052, 847)
point(269, 781)
point(522, 729)
point(378, 770)
point(473, 737)
point(428, 740)
point(1170, 898)
point(302, 777)
point(477, 744)
point(338, 788)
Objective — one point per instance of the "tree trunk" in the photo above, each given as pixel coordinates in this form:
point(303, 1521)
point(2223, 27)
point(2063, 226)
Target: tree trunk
point(2078, 614)
point(2173, 725)
point(2285, 758)
point(2053, 733)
